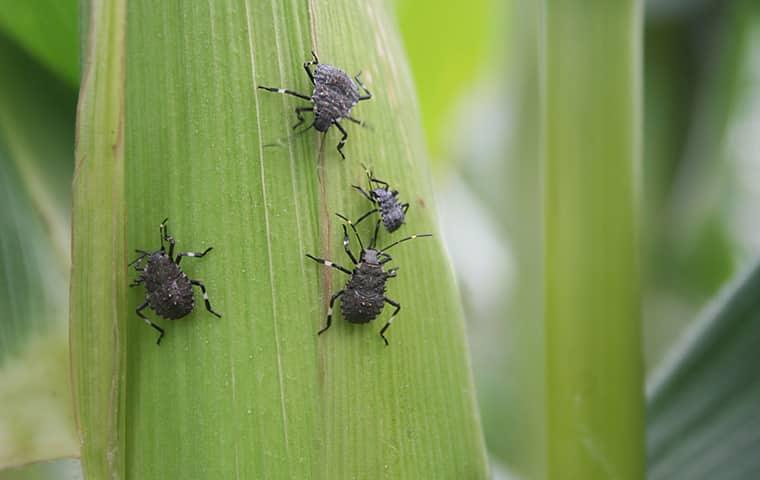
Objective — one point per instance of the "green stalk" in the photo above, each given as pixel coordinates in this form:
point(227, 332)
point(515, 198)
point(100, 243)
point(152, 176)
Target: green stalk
point(257, 394)
point(592, 103)
point(98, 304)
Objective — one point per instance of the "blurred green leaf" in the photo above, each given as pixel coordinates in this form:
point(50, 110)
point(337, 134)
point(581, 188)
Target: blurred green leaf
point(448, 44)
point(256, 394)
point(36, 142)
point(693, 183)
point(47, 30)
point(66, 469)
point(702, 400)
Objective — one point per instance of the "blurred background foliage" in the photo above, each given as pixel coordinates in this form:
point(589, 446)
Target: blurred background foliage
point(476, 70)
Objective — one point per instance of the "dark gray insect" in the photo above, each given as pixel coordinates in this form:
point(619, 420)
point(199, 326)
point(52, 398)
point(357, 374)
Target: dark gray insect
point(169, 291)
point(333, 97)
point(392, 213)
point(363, 297)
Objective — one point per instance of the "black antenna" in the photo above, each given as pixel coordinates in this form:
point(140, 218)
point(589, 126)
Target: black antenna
point(353, 227)
point(411, 237)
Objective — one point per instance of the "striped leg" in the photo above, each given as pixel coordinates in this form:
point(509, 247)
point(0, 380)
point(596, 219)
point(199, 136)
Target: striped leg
point(361, 123)
point(395, 312)
point(192, 254)
point(299, 114)
point(342, 140)
point(364, 192)
point(306, 66)
point(328, 263)
point(147, 320)
point(205, 297)
point(361, 85)
point(330, 311)
point(286, 92)
point(382, 183)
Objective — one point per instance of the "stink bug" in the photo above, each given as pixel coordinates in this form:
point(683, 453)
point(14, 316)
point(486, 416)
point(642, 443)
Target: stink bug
point(363, 297)
point(392, 212)
point(169, 290)
point(334, 95)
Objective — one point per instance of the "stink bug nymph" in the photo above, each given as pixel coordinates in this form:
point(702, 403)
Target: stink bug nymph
point(169, 290)
point(392, 212)
point(334, 95)
point(363, 297)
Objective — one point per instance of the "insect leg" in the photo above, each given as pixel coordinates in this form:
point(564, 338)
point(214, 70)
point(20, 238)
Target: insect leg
point(380, 182)
point(137, 281)
point(138, 260)
point(361, 123)
point(205, 297)
point(147, 320)
point(361, 85)
point(395, 312)
point(365, 216)
point(330, 311)
point(165, 236)
point(286, 92)
point(299, 114)
point(342, 140)
point(404, 207)
point(306, 66)
point(328, 263)
point(192, 254)
point(364, 192)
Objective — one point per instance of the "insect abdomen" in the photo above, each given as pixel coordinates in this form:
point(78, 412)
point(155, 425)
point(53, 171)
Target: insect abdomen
point(391, 213)
point(334, 95)
point(364, 297)
point(170, 293)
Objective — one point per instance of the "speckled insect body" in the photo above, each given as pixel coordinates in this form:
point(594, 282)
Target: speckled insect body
point(169, 291)
point(392, 212)
point(335, 94)
point(333, 97)
point(363, 298)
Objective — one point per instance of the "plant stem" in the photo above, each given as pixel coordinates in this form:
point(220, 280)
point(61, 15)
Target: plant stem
point(592, 109)
point(98, 307)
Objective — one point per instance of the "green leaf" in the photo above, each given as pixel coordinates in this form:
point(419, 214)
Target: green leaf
point(257, 394)
point(592, 105)
point(36, 139)
point(696, 239)
point(47, 30)
point(702, 399)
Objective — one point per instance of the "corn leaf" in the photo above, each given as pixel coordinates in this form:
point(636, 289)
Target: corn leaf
point(702, 399)
point(257, 394)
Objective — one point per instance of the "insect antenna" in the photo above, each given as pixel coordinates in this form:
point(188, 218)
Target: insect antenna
point(353, 227)
point(411, 237)
point(142, 253)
